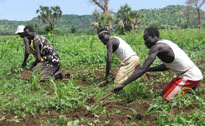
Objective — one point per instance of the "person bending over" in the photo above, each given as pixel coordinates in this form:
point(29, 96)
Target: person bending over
point(123, 51)
point(47, 61)
point(173, 58)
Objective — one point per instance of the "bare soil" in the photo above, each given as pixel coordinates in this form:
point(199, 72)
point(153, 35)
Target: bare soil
point(117, 112)
point(25, 75)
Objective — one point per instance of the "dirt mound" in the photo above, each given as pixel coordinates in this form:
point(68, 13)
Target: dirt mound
point(79, 113)
point(99, 74)
point(28, 121)
point(26, 75)
point(117, 113)
point(65, 73)
point(83, 82)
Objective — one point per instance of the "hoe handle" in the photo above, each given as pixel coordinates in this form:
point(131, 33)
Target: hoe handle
point(104, 97)
point(104, 83)
point(101, 83)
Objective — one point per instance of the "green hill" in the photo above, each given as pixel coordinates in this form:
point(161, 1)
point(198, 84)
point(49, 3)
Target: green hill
point(170, 16)
point(81, 23)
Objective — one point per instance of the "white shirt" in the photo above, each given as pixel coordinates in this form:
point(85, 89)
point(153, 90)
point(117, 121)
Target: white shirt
point(182, 64)
point(124, 51)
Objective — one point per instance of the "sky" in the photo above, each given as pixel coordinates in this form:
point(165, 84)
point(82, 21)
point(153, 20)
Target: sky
point(22, 10)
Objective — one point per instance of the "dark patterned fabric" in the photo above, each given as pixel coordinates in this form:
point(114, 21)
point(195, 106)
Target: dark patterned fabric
point(50, 57)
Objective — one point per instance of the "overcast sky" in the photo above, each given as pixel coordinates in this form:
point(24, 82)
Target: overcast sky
point(26, 9)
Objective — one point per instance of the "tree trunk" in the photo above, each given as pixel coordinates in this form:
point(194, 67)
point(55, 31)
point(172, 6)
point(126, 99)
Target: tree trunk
point(105, 10)
point(187, 21)
point(199, 17)
point(51, 25)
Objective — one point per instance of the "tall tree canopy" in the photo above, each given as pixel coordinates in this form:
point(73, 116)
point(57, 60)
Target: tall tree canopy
point(127, 19)
point(186, 12)
point(106, 16)
point(49, 15)
point(197, 4)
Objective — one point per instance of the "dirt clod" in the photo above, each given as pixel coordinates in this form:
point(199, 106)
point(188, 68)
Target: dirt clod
point(25, 75)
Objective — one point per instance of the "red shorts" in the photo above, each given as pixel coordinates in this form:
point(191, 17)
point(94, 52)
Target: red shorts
point(176, 85)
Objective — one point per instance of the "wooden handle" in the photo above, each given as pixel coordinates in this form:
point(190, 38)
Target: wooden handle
point(104, 97)
point(101, 83)
point(104, 83)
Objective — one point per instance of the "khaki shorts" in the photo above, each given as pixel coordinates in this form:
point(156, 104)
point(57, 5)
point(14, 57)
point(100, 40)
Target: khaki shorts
point(127, 68)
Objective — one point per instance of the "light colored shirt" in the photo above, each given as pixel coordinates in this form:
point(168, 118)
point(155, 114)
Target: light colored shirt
point(182, 64)
point(124, 51)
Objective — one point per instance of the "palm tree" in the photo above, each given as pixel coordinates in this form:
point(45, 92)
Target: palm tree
point(57, 13)
point(48, 15)
point(127, 19)
point(103, 19)
point(106, 16)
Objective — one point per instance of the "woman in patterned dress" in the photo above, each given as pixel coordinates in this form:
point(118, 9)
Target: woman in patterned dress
point(47, 60)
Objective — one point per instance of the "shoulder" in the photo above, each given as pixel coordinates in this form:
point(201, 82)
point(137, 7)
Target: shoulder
point(114, 39)
point(159, 47)
point(36, 40)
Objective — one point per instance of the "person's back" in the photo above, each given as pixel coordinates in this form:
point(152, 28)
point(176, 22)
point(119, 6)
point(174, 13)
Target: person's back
point(182, 64)
point(174, 58)
point(47, 52)
point(124, 51)
point(129, 59)
point(47, 61)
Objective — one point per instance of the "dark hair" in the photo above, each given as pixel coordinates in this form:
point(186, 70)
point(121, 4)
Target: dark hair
point(29, 28)
point(103, 29)
point(152, 32)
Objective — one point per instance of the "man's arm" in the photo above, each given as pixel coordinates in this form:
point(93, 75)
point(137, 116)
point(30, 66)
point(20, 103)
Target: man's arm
point(26, 54)
point(140, 70)
point(161, 67)
point(109, 58)
point(37, 53)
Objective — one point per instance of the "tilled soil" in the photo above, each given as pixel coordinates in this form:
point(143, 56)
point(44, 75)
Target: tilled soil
point(26, 75)
point(117, 113)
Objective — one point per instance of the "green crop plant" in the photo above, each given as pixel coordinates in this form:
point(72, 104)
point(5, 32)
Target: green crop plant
point(83, 56)
point(35, 81)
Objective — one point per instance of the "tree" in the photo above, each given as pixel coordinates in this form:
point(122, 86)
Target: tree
point(103, 4)
point(127, 19)
point(49, 15)
point(154, 24)
point(106, 16)
point(73, 29)
point(102, 20)
point(186, 12)
point(198, 4)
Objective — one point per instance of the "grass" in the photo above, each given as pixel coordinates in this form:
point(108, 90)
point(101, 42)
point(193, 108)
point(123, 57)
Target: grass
point(67, 102)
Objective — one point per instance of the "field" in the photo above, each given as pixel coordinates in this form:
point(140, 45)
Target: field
point(29, 102)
